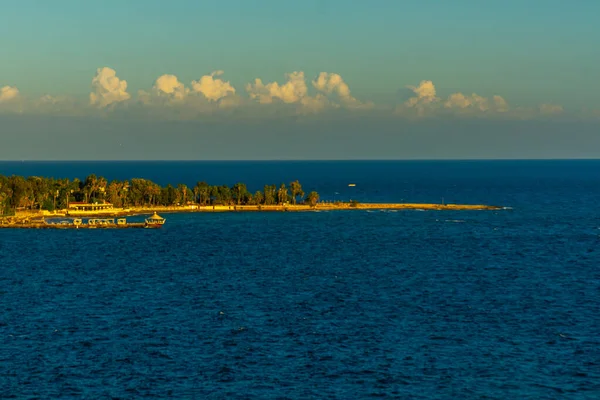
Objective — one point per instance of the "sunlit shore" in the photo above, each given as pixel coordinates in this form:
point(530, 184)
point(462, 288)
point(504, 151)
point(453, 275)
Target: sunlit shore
point(254, 208)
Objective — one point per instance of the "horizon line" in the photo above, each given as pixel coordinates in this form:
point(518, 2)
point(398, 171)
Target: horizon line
point(298, 160)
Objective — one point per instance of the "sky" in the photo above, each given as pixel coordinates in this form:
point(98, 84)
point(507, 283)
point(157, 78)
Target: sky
point(389, 77)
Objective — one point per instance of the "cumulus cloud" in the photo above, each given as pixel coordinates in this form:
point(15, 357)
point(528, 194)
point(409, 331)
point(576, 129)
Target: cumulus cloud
point(500, 104)
point(166, 89)
point(316, 104)
point(425, 94)
point(169, 86)
point(8, 93)
point(210, 94)
point(290, 92)
point(459, 100)
point(551, 109)
point(332, 92)
point(426, 102)
point(331, 83)
point(107, 88)
point(213, 89)
point(474, 102)
point(207, 95)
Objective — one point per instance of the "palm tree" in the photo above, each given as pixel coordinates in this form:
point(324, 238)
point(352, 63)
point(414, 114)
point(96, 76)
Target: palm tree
point(239, 192)
point(312, 199)
point(258, 197)
point(203, 192)
point(269, 193)
point(101, 188)
point(123, 193)
point(282, 194)
point(296, 190)
point(89, 187)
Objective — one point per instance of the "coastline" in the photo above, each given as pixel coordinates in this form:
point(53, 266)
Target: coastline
point(131, 211)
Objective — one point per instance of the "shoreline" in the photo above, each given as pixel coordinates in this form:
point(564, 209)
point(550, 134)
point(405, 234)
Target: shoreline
point(133, 211)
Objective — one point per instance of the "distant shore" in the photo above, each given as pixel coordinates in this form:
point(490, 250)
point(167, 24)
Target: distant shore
point(121, 212)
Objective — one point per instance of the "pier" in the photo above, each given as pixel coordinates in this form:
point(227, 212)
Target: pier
point(153, 222)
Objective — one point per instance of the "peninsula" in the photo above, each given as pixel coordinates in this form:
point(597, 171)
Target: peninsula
point(31, 198)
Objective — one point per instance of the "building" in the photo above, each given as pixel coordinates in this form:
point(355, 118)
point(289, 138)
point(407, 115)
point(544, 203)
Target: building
point(81, 206)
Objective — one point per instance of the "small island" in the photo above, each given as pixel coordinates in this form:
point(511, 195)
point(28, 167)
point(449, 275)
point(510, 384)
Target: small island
point(30, 199)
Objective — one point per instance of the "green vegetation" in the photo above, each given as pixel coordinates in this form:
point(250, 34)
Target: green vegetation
point(37, 193)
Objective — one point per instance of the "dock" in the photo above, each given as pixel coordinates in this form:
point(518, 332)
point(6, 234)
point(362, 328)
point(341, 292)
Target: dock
point(153, 222)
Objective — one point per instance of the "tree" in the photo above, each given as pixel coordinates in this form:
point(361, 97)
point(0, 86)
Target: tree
point(136, 191)
point(221, 194)
point(38, 191)
point(214, 194)
point(5, 195)
point(113, 193)
point(124, 193)
point(312, 199)
point(55, 191)
point(153, 192)
point(186, 193)
point(35, 192)
point(282, 194)
point(296, 190)
point(258, 197)
point(74, 192)
point(169, 196)
point(225, 194)
point(240, 192)
point(203, 193)
point(269, 194)
point(89, 187)
point(19, 188)
point(100, 193)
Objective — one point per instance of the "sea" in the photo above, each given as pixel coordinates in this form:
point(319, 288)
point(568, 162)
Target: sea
point(396, 304)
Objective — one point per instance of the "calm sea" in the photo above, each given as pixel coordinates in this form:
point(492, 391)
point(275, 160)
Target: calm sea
point(340, 305)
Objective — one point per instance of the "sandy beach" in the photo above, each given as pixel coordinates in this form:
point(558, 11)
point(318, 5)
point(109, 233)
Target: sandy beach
point(116, 212)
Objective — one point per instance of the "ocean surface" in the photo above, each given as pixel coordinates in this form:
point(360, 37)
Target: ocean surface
point(325, 305)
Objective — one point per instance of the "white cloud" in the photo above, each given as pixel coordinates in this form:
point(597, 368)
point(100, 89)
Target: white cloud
point(207, 95)
point(211, 95)
point(476, 103)
point(425, 94)
point(8, 93)
point(551, 109)
point(213, 89)
point(500, 104)
point(107, 88)
point(459, 100)
point(424, 102)
point(169, 86)
point(333, 92)
point(290, 92)
point(316, 104)
point(331, 83)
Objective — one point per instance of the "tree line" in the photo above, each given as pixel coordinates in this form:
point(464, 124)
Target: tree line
point(39, 193)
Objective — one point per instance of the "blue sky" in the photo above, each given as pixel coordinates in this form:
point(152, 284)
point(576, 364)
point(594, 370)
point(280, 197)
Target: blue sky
point(527, 51)
point(393, 79)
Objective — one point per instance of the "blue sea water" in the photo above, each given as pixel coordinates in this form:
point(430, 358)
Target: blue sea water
point(341, 304)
